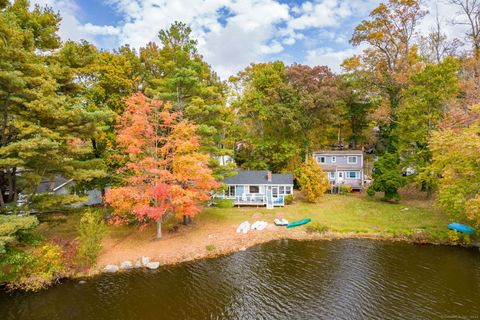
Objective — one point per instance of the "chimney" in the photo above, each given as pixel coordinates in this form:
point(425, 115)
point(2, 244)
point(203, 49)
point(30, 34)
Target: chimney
point(269, 176)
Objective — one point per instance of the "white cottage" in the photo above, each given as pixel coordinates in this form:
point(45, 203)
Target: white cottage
point(258, 188)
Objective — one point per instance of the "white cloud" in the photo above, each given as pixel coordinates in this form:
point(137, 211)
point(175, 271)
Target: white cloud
point(70, 26)
point(330, 57)
point(234, 33)
point(100, 30)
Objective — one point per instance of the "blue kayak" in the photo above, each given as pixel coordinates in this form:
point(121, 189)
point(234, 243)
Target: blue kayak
point(461, 228)
point(299, 223)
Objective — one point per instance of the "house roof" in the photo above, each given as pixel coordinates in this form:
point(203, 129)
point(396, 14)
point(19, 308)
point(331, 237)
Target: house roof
point(258, 177)
point(335, 152)
point(52, 185)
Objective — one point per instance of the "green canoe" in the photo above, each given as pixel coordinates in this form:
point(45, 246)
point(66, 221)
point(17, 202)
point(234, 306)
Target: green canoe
point(298, 223)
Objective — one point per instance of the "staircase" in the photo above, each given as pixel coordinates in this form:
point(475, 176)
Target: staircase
point(269, 199)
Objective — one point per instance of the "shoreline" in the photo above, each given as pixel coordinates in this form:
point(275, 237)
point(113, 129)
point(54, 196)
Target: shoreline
point(241, 242)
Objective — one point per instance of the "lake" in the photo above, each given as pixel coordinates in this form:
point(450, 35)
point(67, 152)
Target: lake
point(287, 279)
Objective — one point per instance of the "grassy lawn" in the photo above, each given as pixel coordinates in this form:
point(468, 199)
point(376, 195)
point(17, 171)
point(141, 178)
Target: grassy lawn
point(339, 213)
point(347, 213)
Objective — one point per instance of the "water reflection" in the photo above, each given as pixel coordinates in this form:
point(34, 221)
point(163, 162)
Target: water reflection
point(342, 279)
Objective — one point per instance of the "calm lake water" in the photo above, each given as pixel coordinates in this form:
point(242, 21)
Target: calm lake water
point(341, 279)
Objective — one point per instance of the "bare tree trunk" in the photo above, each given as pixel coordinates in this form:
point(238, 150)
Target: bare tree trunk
point(14, 185)
point(2, 202)
point(11, 191)
point(159, 228)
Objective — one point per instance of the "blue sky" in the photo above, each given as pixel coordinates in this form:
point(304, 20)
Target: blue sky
point(231, 33)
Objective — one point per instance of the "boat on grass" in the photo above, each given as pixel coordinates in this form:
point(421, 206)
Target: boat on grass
point(299, 223)
point(461, 228)
point(281, 222)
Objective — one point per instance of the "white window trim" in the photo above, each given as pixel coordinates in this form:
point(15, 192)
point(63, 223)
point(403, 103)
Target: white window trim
point(334, 159)
point(331, 175)
point(357, 175)
point(320, 159)
point(290, 189)
point(254, 185)
point(350, 162)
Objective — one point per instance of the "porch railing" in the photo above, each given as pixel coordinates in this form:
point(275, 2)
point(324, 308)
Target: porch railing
point(251, 199)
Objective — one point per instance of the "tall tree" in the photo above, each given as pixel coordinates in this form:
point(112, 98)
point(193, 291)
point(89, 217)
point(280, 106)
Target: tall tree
point(42, 130)
point(426, 103)
point(176, 72)
point(102, 80)
point(457, 169)
point(318, 94)
point(357, 105)
point(391, 57)
point(435, 46)
point(470, 11)
point(269, 116)
point(164, 172)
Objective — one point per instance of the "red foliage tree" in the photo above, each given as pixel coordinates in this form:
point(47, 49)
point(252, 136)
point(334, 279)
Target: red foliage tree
point(164, 172)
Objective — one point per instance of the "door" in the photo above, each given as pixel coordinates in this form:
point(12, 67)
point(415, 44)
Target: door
point(340, 176)
point(231, 191)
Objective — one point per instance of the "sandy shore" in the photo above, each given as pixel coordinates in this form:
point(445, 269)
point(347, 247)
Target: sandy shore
point(190, 242)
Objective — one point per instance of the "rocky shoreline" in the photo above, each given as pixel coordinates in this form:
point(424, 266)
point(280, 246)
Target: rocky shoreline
point(244, 241)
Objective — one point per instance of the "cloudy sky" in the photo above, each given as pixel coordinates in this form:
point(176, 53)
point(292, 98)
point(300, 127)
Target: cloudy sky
point(232, 33)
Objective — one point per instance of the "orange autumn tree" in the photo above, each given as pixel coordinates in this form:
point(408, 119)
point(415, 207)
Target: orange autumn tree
point(164, 172)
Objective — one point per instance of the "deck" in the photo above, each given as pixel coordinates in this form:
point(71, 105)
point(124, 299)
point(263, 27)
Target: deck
point(252, 200)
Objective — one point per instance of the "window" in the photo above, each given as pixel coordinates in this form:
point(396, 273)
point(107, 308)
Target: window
point(231, 191)
point(288, 190)
point(254, 189)
point(321, 159)
point(340, 174)
point(353, 175)
point(334, 159)
point(331, 175)
point(275, 192)
point(282, 190)
point(352, 159)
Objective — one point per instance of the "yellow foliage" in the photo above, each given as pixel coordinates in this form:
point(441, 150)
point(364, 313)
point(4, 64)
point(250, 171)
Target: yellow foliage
point(46, 267)
point(313, 181)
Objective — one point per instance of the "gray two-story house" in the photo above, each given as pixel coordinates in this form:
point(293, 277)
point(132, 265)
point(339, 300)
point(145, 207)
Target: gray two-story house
point(343, 167)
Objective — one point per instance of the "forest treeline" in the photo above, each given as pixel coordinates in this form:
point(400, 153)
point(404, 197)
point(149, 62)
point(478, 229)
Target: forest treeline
point(408, 99)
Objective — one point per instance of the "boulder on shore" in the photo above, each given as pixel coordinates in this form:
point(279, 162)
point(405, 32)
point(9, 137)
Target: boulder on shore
point(145, 261)
point(111, 268)
point(153, 265)
point(126, 265)
point(138, 264)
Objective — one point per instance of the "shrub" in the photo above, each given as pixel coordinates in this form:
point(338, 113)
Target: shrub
point(313, 181)
point(457, 238)
point(454, 237)
point(289, 199)
point(224, 203)
point(387, 177)
point(344, 189)
point(317, 227)
point(43, 267)
point(91, 231)
point(210, 247)
point(13, 264)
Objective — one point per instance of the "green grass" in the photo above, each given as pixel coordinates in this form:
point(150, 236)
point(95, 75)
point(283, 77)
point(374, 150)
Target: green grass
point(339, 213)
point(348, 213)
